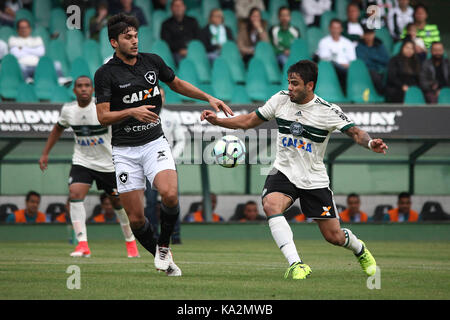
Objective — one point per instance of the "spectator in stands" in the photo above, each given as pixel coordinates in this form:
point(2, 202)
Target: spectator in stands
point(26, 48)
point(159, 4)
point(251, 212)
point(8, 11)
point(107, 215)
point(129, 8)
point(3, 49)
point(64, 217)
point(435, 73)
point(178, 30)
point(31, 213)
point(403, 212)
point(353, 212)
point(243, 8)
point(353, 28)
point(337, 49)
point(251, 31)
point(372, 51)
point(403, 72)
point(411, 34)
point(283, 34)
point(215, 34)
point(399, 17)
point(313, 9)
point(98, 21)
point(198, 216)
point(428, 32)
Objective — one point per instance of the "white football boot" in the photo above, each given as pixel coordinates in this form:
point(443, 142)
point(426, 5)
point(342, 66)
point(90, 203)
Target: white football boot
point(163, 257)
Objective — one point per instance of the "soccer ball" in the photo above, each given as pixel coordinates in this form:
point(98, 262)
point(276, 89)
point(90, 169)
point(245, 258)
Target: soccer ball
point(229, 151)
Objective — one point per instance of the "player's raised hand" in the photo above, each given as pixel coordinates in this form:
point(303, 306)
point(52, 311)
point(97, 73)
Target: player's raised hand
point(143, 114)
point(219, 105)
point(378, 146)
point(209, 116)
point(43, 162)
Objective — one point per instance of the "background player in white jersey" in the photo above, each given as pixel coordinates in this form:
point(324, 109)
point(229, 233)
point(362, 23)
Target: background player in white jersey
point(305, 122)
point(92, 160)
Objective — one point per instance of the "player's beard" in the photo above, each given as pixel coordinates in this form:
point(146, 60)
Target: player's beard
point(301, 96)
point(127, 55)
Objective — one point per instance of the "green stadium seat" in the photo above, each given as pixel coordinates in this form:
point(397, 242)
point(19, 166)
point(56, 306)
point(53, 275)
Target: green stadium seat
point(41, 12)
point(74, 44)
point(88, 14)
point(170, 96)
point(145, 5)
point(414, 96)
point(221, 80)
point(45, 79)
point(58, 23)
point(341, 9)
point(10, 77)
point(91, 53)
point(106, 50)
point(231, 54)
point(273, 10)
point(231, 21)
point(60, 95)
point(188, 72)
point(80, 67)
point(328, 86)
point(240, 95)
point(161, 48)
point(385, 36)
point(298, 21)
point(197, 53)
point(444, 96)
point(257, 84)
point(360, 88)
point(313, 36)
point(264, 51)
point(6, 32)
point(207, 6)
point(24, 14)
point(158, 18)
point(197, 14)
point(26, 94)
point(145, 39)
point(396, 48)
point(299, 50)
point(57, 52)
point(325, 19)
point(42, 32)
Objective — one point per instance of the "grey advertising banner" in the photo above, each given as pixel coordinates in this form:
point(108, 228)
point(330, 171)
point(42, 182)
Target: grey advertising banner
point(426, 122)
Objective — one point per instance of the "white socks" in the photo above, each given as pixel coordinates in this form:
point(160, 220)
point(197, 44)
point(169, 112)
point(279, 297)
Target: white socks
point(351, 242)
point(284, 238)
point(78, 217)
point(124, 224)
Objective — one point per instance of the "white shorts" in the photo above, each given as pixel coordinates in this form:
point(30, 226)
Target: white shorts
point(134, 164)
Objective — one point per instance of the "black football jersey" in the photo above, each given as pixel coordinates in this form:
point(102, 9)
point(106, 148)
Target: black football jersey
point(125, 86)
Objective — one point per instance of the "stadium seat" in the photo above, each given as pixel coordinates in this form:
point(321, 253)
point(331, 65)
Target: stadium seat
point(60, 95)
point(188, 72)
point(328, 86)
point(380, 212)
point(45, 79)
point(197, 53)
point(6, 32)
point(106, 51)
point(158, 18)
point(432, 211)
point(145, 39)
point(57, 52)
point(170, 96)
point(222, 82)
point(207, 6)
point(313, 36)
point(145, 6)
point(42, 32)
point(325, 19)
point(231, 21)
point(396, 48)
point(26, 94)
point(414, 96)
point(240, 95)
point(10, 77)
point(41, 12)
point(385, 36)
point(298, 21)
point(231, 54)
point(257, 84)
point(55, 209)
point(91, 53)
point(273, 10)
point(360, 88)
point(299, 50)
point(7, 209)
point(161, 48)
point(444, 96)
point(341, 9)
point(264, 51)
point(197, 14)
point(58, 23)
point(24, 14)
point(74, 44)
point(78, 68)
point(88, 14)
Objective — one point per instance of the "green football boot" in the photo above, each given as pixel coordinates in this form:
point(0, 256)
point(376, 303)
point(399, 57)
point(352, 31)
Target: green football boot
point(298, 270)
point(367, 261)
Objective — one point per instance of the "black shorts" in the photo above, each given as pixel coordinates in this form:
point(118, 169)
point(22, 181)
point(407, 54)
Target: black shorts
point(315, 203)
point(105, 181)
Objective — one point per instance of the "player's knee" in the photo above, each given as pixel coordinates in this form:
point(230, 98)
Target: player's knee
point(136, 221)
point(271, 207)
point(169, 197)
point(75, 195)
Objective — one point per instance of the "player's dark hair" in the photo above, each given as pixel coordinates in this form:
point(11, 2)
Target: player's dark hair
point(120, 24)
point(31, 194)
point(404, 195)
point(103, 197)
point(80, 77)
point(353, 195)
point(306, 69)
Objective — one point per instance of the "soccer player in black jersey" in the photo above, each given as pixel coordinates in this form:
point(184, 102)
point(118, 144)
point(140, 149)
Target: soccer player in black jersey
point(128, 97)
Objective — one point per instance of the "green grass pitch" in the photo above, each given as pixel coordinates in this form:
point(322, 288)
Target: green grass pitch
point(225, 268)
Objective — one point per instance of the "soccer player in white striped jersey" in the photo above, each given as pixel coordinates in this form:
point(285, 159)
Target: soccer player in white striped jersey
point(92, 161)
point(305, 123)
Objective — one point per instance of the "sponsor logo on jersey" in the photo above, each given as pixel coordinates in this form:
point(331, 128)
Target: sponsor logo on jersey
point(141, 95)
point(89, 142)
point(296, 143)
point(123, 177)
point(142, 127)
point(161, 156)
point(150, 77)
point(326, 211)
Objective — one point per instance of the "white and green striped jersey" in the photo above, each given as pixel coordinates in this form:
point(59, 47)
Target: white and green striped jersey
point(92, 140)
point(303, 134)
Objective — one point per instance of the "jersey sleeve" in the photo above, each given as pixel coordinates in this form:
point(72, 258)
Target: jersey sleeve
point(337, 119)
point(102, 83)
point(268, 110)
point(63, 121)
point(166, 74)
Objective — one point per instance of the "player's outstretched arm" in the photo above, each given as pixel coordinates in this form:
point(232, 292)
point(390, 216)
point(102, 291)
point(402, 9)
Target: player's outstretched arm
point(362, 138)
point(189, 90)
point(243, 121)
point(51, 141)
point(107, 117)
